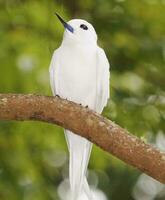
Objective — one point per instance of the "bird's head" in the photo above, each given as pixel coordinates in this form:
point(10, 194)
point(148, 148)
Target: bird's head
point(78, 31)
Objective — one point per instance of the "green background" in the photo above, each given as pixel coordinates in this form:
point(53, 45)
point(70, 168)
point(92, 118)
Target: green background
point(33, 155)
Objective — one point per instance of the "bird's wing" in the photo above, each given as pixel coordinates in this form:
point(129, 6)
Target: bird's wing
point(53, 72)
point(103, 76)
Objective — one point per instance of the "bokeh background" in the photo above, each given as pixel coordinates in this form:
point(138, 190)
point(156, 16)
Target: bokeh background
point(33, 155)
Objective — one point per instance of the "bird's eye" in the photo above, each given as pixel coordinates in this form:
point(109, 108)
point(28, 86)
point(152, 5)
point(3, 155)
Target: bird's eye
point(83, 26)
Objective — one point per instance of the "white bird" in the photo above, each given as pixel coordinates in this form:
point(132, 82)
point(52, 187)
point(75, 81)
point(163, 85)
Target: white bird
point(79, 72)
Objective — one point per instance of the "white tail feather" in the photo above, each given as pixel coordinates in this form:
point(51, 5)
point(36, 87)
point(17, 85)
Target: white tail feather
point(79, 151)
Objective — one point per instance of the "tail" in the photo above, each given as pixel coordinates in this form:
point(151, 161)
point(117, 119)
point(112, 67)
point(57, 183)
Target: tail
point(79, 151)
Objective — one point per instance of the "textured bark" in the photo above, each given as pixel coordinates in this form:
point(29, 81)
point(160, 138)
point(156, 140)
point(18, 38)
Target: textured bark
point(82, 121)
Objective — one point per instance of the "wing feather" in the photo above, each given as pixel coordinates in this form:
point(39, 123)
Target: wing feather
point(53, 72)
point(103, 76)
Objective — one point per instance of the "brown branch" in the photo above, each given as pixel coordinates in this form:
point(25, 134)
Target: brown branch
point(82, 121)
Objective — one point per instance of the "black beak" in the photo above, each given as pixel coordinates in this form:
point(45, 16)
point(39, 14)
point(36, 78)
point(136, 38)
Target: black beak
point(65, 24)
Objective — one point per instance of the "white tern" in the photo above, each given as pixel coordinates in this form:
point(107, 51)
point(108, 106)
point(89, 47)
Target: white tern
point(79, 72)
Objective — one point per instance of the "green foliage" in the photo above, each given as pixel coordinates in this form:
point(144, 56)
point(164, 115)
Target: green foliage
point(132, 34)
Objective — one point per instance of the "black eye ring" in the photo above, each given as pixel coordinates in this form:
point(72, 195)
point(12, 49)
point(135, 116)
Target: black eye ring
point(83, 26)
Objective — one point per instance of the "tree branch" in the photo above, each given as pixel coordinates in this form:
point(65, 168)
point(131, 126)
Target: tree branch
point(86, 123)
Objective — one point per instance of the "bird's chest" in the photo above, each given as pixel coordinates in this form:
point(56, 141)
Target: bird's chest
point(78, 69)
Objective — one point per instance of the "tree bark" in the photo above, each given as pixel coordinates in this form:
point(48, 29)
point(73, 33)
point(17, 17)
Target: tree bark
point(86, 123)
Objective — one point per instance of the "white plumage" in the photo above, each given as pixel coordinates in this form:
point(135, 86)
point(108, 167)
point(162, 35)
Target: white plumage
point(79, 71)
